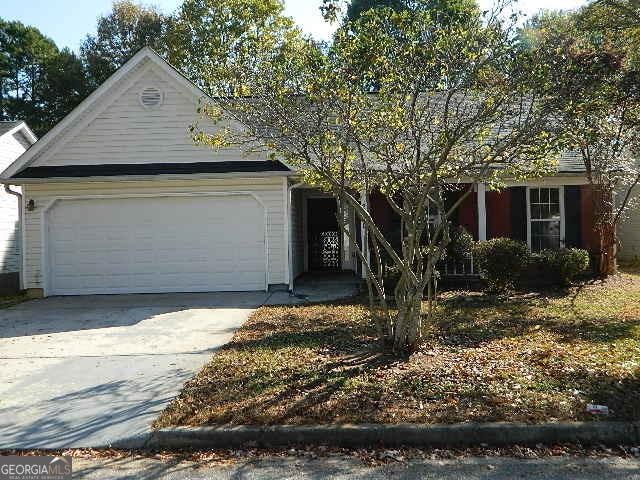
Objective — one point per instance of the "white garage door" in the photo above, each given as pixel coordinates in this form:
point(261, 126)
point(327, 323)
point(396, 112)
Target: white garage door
point(150, 245)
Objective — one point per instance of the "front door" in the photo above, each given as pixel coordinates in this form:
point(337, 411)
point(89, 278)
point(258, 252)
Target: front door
point(323, 234)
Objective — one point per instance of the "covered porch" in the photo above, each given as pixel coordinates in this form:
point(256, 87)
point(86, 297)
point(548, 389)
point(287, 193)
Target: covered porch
point(546, 213)
point(317, 247)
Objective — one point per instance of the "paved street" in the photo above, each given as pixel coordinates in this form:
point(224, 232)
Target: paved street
point(342, 468)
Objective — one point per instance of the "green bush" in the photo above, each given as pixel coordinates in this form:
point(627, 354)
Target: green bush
point(501, 262)
point(564, 265)
point(461, 244)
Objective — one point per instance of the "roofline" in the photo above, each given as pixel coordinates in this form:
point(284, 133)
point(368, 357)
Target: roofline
point(144, 53)
point(580, 178)
point(137, 178)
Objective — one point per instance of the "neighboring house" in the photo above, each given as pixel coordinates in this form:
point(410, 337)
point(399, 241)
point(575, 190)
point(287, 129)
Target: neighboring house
point(15, 139)
point(118, 199)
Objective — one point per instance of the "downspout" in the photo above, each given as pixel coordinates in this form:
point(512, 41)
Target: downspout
point(20, 230)
point(290, 247)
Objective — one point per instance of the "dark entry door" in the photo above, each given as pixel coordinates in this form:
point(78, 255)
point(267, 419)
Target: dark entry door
point(323, 234)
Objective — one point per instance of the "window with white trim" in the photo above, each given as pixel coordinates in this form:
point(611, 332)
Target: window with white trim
point(545, 218)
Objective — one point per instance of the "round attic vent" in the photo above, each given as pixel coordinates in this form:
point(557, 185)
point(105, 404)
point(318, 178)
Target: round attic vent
point(151, 97)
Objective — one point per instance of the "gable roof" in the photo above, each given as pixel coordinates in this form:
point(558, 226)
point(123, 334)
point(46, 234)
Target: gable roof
point(22, 168)
point(146, 54)
point(10, 127)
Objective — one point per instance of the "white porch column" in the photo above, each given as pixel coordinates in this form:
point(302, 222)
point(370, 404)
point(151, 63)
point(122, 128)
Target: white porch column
point(346, 259)
point(286, 194)
point(364, 233)
point(482, 211)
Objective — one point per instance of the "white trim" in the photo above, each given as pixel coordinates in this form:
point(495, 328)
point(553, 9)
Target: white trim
point(482, 211)
point(52, 135)
point(562, 215)
point(45, 261)
point(139, 178)
point(290, 252)
point(23, 241)
point(556, 181)
point(287, 227)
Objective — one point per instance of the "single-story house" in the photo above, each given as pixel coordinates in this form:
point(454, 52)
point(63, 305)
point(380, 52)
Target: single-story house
point(15, 138)
point(117, 198)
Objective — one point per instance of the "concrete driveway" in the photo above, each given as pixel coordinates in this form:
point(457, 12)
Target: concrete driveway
point(96, 370)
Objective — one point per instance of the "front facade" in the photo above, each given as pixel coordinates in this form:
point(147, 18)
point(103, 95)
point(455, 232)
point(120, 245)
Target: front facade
point(546, 213)
point(118, 199)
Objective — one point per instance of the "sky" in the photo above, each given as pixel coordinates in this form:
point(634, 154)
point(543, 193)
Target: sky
point(68, 22)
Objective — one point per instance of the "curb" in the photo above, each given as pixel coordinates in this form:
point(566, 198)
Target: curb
point(133, 442)
point(416, 435)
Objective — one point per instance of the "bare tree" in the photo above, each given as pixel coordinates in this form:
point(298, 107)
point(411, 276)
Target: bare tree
point(403, 104)
point(596, 108)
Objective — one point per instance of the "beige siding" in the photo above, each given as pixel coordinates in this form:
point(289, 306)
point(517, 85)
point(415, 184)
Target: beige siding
point(629, 233)
point(11, 147)
point(267, 190)
point(125, 132)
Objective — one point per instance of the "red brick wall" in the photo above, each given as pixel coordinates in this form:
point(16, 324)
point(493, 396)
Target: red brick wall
point(468, 213)
point(498, 214)
point(380, 211)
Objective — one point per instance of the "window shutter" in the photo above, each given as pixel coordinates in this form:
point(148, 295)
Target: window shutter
point(572, 216)
point(518, 213)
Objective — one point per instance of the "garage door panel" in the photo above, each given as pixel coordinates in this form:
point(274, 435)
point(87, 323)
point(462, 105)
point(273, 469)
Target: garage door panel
point(156, 245)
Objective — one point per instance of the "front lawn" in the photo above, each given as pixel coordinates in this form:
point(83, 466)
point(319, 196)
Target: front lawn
point(530, 358)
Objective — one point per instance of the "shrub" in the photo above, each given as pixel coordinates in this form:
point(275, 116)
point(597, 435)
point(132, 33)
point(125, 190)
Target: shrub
point(461, 244)
point(564, 265)
point(501, 262)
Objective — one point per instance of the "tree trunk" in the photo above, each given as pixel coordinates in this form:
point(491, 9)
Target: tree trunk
point(407, 331)
point(607, 255)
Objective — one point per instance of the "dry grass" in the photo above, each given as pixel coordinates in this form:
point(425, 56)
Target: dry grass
point(530, 358)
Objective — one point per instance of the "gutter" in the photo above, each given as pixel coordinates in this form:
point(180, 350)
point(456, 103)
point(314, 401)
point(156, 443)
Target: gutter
point(139, 178)
point(7, 188)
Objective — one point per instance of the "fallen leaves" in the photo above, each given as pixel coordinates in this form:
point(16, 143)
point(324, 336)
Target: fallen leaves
point(531, 358)
point(368, 456)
